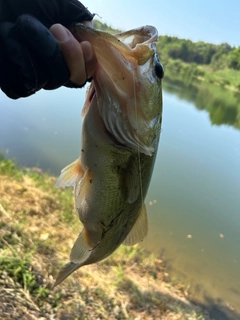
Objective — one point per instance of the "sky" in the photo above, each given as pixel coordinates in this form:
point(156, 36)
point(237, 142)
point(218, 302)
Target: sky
point(214, 21)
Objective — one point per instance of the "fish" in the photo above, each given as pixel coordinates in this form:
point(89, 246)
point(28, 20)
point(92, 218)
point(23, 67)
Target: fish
point(121, 124)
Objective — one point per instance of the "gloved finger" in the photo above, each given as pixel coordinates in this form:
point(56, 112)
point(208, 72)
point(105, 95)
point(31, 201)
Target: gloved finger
point(33, 58)
point(47, 12)
point(43, 45)
point(19, 77)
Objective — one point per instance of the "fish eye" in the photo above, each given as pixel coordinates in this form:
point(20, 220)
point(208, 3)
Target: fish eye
point(159, 70)
point(158, 67)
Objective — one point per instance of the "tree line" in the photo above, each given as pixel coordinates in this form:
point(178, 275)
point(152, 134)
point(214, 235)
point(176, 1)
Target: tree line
point(217, 56)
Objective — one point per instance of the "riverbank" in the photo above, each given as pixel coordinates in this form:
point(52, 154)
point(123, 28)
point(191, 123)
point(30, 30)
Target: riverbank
point(188, 73)
point(38, 228)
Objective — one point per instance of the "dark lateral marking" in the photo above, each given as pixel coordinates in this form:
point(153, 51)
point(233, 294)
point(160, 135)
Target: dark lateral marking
point(91, 180)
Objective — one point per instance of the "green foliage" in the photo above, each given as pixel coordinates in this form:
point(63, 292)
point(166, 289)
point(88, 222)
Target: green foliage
point(187, 61)
point(192, 52)
point(234, 59)
point(8, 167)
point(20, 271)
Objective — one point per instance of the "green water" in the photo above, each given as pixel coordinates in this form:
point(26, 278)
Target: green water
point(193, 201)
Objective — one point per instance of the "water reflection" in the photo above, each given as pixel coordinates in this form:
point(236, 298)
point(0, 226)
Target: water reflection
point(222, 105)
point(195, 223)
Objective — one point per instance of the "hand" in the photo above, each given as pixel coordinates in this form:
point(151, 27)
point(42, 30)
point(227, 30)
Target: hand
point(30, 55)
point(78, 56)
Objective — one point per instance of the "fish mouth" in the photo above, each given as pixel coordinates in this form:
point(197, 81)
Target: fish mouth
point(127, 68)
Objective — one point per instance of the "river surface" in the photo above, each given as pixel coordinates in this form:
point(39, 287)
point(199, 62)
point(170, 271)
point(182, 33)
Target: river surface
point(194, 198)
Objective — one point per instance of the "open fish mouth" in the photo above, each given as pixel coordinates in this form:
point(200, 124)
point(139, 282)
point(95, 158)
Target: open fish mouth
point(118, 86)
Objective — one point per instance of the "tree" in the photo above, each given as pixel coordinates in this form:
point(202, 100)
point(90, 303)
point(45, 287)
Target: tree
point(234, 59)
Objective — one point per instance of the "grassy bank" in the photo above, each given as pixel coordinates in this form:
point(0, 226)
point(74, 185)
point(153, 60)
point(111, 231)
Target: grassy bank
point(38, 228)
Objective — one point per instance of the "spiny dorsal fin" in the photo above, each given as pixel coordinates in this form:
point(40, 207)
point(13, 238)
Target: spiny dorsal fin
point(65, 271)
point(70, 174)
point(139, 230)
point(81, 250)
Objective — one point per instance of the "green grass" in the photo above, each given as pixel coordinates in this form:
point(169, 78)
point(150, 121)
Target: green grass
point(8, 167)
point(38, 225)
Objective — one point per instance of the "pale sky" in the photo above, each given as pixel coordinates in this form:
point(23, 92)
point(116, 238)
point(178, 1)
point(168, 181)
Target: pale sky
point(214, 21)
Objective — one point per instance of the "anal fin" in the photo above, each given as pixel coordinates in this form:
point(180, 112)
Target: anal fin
point(139, 229)
point(70, 174)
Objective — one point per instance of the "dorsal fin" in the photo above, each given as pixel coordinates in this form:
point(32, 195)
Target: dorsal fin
point(139, 229)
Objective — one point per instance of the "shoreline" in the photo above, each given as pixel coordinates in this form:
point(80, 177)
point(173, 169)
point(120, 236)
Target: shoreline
point(38, 228)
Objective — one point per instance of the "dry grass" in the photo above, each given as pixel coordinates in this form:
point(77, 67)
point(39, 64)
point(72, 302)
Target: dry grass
point(38, 226)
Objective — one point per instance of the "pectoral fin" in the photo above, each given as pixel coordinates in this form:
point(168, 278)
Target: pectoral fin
point(139, 230)
point(70, 174)
point(65, 271)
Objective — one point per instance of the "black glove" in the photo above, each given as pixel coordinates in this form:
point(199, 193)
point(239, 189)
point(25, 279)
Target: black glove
point(30, 57)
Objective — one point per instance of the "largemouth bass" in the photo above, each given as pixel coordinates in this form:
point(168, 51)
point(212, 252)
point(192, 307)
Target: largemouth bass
point(120, 132)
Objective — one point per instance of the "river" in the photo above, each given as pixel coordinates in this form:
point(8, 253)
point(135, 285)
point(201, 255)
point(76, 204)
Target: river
point(194, 198)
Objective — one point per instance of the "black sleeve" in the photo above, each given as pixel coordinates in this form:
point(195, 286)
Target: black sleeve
point(30, 57)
